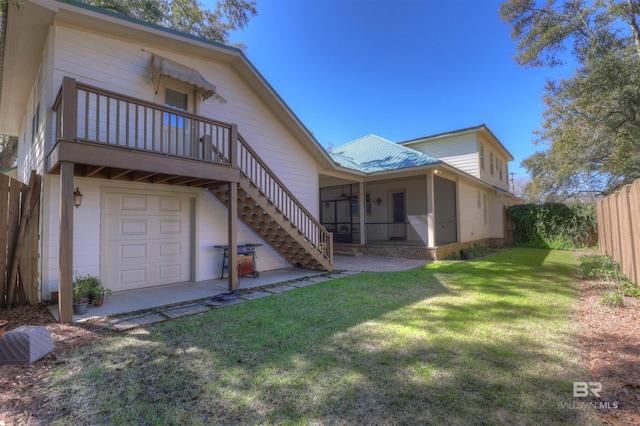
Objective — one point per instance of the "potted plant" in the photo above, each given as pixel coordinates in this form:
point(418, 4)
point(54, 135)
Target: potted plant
point(81, 292)
point(3, 326)
point(98, 294)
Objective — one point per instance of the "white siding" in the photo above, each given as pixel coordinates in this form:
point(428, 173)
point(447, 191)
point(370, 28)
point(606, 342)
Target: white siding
point(459, 151)
point(472, 226)
point(31, 146)
point(211, 228)
point(485, 175)
point(117, 65)
point(123, 67)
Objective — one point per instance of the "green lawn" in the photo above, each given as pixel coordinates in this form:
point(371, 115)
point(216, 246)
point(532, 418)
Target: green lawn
point(485, 342)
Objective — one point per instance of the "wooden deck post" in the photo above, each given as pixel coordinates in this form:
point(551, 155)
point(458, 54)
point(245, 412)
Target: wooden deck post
point(431, 217)
point(362, 201)
point(65, 286)
point(233, 213)
point(69, 109)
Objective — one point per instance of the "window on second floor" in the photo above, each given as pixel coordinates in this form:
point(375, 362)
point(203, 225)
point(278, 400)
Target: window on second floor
point(491, 163)
point(500, 169)
point(482, 156)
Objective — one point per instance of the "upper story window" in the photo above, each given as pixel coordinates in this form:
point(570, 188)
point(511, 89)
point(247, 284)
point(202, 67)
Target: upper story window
point(176, 99)
point(491, 163)
point(500, 169)
point(482, 156)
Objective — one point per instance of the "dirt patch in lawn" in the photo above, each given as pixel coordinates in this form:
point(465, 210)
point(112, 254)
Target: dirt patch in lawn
point(609, 337)
point(22, 398)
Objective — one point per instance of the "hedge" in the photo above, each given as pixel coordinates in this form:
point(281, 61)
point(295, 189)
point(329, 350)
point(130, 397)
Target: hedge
point(554, 225)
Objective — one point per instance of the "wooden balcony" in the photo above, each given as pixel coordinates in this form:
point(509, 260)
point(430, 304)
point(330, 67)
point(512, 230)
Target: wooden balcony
point(112, 136)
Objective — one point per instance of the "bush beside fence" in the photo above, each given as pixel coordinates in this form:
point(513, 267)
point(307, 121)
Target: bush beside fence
point(554, 225)
point(619, 229)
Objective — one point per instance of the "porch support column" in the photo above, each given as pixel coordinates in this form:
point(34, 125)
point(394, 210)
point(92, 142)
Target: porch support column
point(233, 214)
point(362, 208)
point(431, 216)
point(65, 286)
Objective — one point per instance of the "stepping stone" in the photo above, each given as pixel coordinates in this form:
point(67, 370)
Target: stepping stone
point(221, 304)
point(25, 344)
point(183, 311)
point(340, 275)
point(256, 295)
point(280, 289)
point(133, 322)
point(320, 279)
point(299, 284)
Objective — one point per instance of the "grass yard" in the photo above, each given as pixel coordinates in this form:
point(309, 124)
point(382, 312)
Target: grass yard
point(485, 342)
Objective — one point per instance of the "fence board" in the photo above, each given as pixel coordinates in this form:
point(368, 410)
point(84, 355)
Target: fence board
point(12, 194)
point(634, 206)
point(619, 229)
point(4, 214)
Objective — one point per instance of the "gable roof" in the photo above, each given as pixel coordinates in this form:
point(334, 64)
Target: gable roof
point(26, 29)
point(371, 153)
point(482, 129)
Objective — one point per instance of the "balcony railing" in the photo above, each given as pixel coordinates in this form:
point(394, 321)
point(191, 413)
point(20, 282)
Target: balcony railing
point(90, 114)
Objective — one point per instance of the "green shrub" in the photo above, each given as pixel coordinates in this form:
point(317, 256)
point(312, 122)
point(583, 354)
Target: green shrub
point(599, 267)
point(554, 225)
point(612, 299)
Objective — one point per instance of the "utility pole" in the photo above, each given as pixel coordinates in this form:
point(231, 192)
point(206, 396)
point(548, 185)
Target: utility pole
point(513, 188)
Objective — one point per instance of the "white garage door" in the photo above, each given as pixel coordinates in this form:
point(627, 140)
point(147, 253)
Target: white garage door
point(147, 240)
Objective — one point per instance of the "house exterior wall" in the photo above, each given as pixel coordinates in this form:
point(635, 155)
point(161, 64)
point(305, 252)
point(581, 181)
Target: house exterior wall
point(472, 223)
point(486, 174)
point(117, 65)
point(33, 132)
point(209, 222)
point(459, 151)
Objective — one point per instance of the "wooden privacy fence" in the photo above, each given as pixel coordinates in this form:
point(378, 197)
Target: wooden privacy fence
point(19, 223)
point(619, 229)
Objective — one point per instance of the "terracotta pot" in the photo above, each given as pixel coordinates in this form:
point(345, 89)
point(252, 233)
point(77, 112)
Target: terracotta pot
point(3, 326)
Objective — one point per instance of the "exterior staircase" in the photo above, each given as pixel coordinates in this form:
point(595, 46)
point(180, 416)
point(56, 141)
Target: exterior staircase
point(272, 212)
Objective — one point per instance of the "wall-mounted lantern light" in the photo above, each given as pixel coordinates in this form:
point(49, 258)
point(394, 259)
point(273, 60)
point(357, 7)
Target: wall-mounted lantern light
point(378, 201)
point(77, 197)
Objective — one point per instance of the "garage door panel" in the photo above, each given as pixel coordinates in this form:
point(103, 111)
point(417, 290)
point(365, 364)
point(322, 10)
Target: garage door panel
point(133, 203)
point(147, 240)
point(135, 252)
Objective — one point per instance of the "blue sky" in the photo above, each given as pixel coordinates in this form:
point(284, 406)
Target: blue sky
point(400, 69)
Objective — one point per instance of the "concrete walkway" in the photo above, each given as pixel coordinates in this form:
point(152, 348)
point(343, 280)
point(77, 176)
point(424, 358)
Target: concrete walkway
point(172, 301)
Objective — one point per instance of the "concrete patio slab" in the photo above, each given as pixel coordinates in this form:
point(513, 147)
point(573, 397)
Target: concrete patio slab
point(377, 263)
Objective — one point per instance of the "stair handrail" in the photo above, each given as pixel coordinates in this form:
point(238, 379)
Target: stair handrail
point(253, 168)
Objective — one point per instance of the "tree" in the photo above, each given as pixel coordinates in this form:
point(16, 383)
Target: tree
point(590, 131)
point(187, 16)
point(8, 151)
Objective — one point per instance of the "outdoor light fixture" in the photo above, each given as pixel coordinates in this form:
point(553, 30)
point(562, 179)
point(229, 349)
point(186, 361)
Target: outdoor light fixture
point(378, 201)
point(77, 197)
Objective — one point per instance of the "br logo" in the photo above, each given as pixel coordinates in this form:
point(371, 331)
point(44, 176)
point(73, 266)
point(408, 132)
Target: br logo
point(582, 389)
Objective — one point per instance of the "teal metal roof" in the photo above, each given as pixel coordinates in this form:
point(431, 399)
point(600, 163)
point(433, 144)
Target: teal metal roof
point(372, 153)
